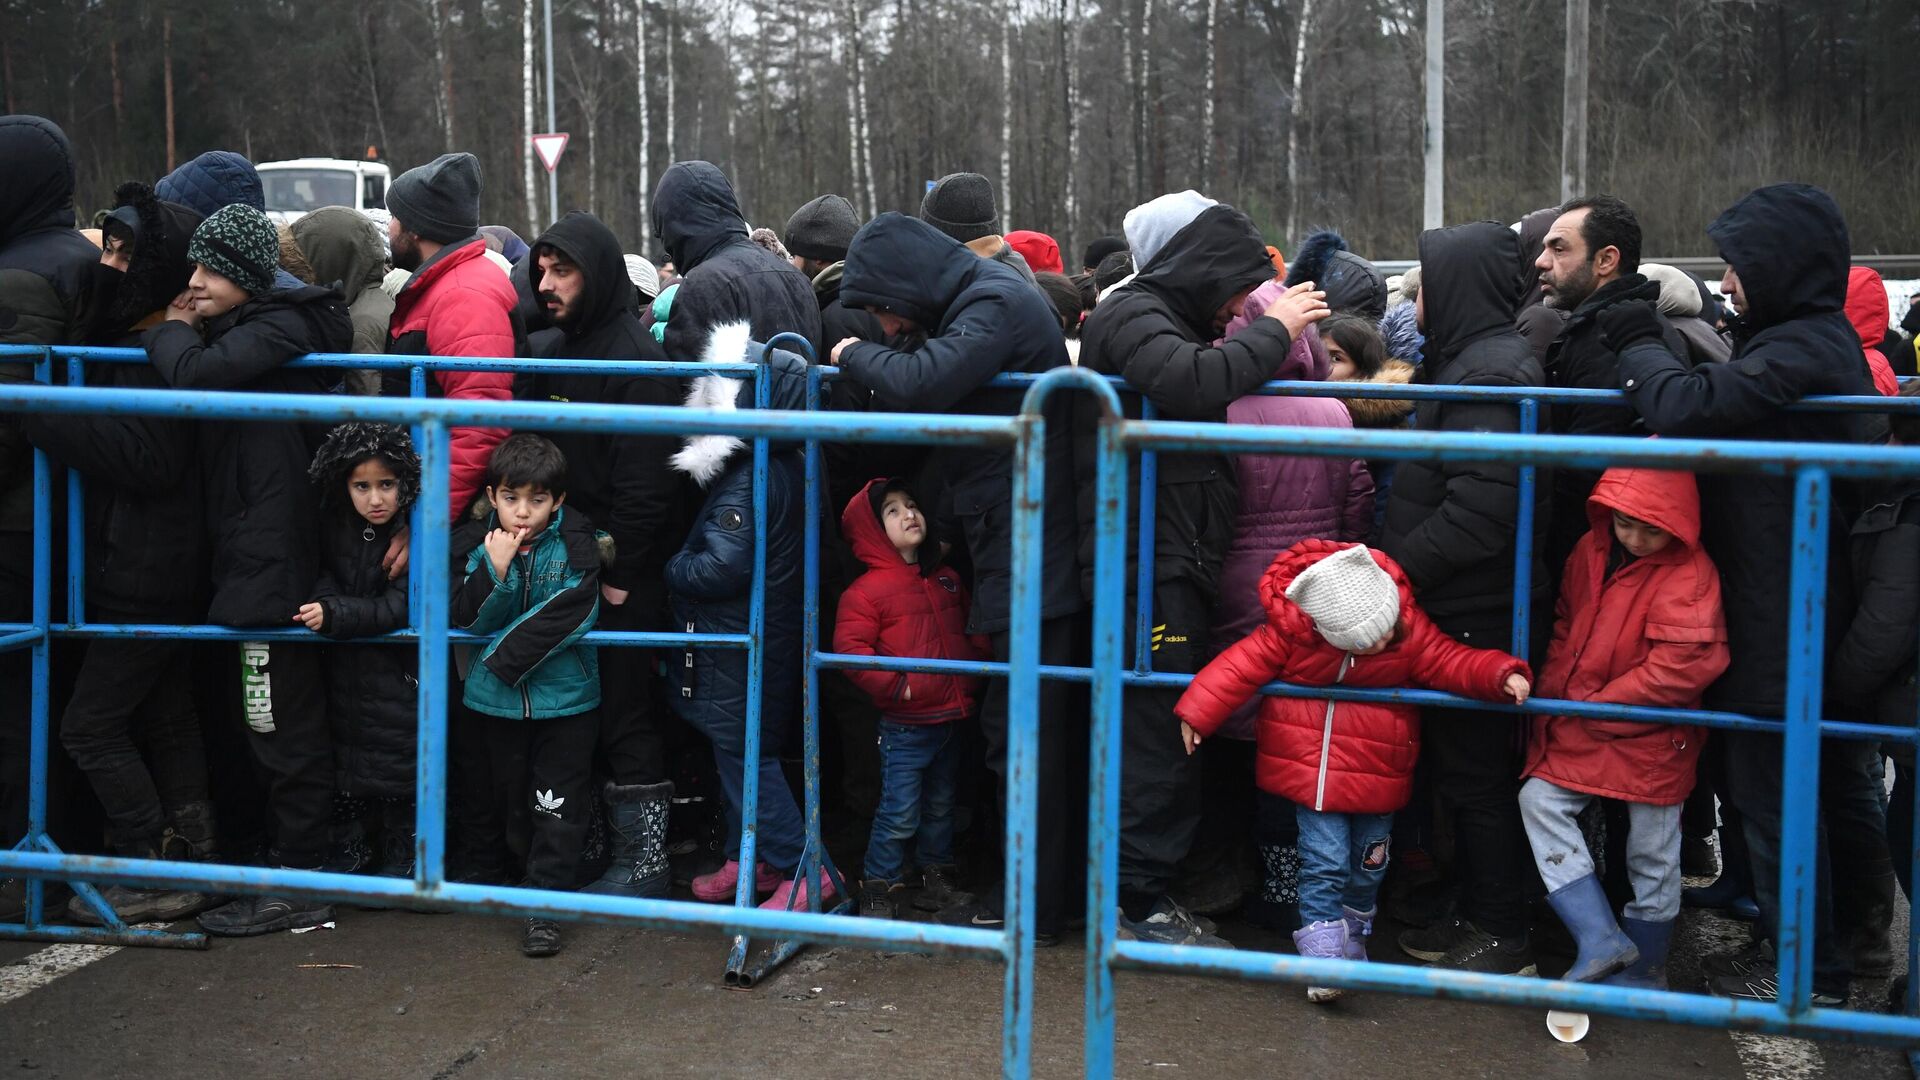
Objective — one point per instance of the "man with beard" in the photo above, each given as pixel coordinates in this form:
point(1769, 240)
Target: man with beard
point(455, 304)
point(1589, 262)
point(624, 485)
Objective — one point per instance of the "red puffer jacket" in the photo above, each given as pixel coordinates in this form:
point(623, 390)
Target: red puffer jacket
point(460, 304)
point(1868, 311)
point(1651, 634)
point(1347, 757)
point(899, 609)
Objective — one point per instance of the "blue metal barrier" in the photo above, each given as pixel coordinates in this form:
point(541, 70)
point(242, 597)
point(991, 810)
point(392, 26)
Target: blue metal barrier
point(38, 859)
point(1812, 465)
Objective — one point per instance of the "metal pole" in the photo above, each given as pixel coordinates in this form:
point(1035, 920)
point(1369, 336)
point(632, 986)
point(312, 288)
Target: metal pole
point(1573, 130)
point(1436, 140)
point(553, 175)
point(1523, 541)
point(429, 600)
point(1800, 764)
point(1023, 747)
point(1103, 790)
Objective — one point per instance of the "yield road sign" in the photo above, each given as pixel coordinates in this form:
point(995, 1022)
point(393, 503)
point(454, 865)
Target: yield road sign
point(550, 147)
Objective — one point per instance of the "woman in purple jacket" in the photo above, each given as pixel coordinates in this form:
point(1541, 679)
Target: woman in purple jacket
point(1284, 499)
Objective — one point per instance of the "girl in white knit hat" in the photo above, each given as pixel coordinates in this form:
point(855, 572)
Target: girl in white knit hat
point(1340, 614)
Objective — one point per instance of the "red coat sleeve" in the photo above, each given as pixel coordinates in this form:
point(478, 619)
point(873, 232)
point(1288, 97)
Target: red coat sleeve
point(1441, 663)
point(468, 322)
point(1232, 678)
point(856, 632)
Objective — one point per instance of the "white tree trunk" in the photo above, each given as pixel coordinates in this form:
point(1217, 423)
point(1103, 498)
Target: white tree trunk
point(646, 127)
point(1295, 110)
point(1070, 85)
point(1142, 115)
point(1006, 107)
point(866, 130)
point(443, 64)
point(1206, 103)
point(673, 32)
point(733, 114)
point(526, 115)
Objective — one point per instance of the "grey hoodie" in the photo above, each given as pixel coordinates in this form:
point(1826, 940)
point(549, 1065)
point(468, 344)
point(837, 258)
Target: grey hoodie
point(343, 247)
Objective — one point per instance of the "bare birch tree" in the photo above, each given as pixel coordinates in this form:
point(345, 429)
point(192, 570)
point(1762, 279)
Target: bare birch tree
point(526, 114)
point(646, 129)
point(1295, 111)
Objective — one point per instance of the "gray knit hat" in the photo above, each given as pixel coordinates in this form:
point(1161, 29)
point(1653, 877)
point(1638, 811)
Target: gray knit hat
point(439, 201)
point(961, 205)
point(823, 229)
point(239, 244)
point(1353, 603)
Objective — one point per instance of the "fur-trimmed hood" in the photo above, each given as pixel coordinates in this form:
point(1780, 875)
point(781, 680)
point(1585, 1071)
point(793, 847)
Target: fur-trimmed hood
point(1384, 412)
point(705, 457)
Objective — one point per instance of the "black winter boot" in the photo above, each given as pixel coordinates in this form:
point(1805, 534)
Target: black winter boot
point(135, 905)
point(637, 816)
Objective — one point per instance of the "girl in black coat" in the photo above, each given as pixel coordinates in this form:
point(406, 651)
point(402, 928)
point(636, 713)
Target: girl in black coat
point(367, 476)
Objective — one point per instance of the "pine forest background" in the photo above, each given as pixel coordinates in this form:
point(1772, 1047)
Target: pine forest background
point(1302, 112)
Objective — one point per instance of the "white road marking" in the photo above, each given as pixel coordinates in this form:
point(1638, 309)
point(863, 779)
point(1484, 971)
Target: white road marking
point(19, 979)
point(1775, 1057)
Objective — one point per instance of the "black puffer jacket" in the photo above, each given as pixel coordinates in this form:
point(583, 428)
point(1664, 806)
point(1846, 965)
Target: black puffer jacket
point(46, 276)
point(145, 541)
point(372, 690)
point(260, 511)
point(1788, 244)
point(623, 484)
point(1450, 525)
point(1579, 359)
point(727, 278)
point(1871, 673)
point(710, 578)
point(1157, 333)
point(980, 319)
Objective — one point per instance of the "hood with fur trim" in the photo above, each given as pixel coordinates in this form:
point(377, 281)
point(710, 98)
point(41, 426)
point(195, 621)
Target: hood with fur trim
point(705, 457)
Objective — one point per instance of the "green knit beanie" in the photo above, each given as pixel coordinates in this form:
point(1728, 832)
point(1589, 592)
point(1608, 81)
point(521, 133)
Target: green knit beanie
point(239, 244)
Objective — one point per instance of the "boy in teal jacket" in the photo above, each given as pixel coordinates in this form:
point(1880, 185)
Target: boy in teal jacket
point(534, 585)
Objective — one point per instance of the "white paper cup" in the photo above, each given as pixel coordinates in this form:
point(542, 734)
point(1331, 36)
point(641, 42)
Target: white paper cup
point(1568, 1027)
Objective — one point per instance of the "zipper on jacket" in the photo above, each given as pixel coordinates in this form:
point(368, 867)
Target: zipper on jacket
point(1326, 738)
point(526, 601)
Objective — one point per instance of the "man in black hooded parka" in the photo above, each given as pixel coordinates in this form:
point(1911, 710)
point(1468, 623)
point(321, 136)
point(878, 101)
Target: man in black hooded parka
point(1451, 526)
point(727, 277)
point(1787, 252)
point(624, 485)
point(980, 319)
point(1158, 333)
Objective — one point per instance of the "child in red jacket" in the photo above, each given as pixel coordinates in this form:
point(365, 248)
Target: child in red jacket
point(1340, 614)
point(907, 604)
point(1638, 623)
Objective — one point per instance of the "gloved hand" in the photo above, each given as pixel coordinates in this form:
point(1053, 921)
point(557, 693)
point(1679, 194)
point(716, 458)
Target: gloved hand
point(1629, 323)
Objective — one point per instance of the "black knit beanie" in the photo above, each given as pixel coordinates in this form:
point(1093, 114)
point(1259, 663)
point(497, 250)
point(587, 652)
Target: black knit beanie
point(823, 229)
point(961, 205)
point(439, 201)
point(1098, 250)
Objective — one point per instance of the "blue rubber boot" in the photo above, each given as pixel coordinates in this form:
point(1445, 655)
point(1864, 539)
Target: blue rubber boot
point(1650, 971)
point(1582, 906)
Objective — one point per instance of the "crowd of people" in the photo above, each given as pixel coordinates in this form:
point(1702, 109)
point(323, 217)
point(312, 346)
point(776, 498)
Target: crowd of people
point(620, 771)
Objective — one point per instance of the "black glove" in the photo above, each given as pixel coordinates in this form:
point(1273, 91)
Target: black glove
point(1629, 323)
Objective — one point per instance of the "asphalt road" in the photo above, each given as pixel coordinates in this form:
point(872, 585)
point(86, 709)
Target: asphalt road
point(393, 994)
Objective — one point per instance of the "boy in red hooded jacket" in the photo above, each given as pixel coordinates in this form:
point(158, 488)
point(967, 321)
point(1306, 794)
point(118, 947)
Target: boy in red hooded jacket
point(1638, 623)
point(907, 604)
point(1340, 614)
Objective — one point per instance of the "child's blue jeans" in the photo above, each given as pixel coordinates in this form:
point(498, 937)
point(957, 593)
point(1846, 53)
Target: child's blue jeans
point(1343, 859)
point(918, 767)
